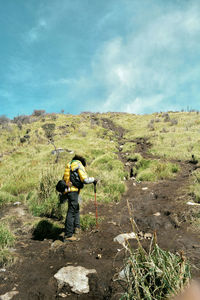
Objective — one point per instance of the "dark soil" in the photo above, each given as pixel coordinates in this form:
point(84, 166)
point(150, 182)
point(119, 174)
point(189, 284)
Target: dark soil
point(32, 274)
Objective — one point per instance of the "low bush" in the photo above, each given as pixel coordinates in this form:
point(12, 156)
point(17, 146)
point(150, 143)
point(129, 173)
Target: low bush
point(157, 274)
point(45, 201)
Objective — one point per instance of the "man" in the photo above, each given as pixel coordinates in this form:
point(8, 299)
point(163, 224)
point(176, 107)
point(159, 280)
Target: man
point(75, 171)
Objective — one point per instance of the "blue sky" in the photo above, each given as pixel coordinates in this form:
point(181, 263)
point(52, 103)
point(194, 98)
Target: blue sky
point(136, 56)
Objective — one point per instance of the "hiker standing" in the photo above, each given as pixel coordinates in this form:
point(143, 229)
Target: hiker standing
point(75, 177)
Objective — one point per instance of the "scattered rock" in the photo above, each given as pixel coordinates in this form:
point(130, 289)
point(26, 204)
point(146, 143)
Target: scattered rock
point(145, 188)
point(140, 235)
point(56, 244)
point(192, 203)
point(148, 236)
point(123, 237)
point(124, 274)
point(75, 277)
point(2, 270)
point(59, 150)
point(9, 295)
point(99, 256)
point(157, 214)
point(112, 222)
point(62, 295)
point(17, 203)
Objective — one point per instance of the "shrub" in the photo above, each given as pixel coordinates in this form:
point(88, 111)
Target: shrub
point(22, 119)
point(173, 122)
point(4, 119)
point(6, 240)
point(49, 130)
point(38, 113)
point(44, 201)
point(157, 274)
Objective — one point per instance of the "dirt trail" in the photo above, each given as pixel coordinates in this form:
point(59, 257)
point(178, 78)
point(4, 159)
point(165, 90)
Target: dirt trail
point(32, 275)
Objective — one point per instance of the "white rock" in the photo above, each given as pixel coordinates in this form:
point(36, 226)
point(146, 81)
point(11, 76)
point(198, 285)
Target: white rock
point(9, 295)
point(17, 203)
point(124, 274)
point(2, 270)
point(121, 238)
point(145, 188)
point(157, 214)
point(192, 203)
point(76, 277)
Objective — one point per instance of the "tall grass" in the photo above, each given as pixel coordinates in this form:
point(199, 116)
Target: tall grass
point(6, 241)
point(155, 275)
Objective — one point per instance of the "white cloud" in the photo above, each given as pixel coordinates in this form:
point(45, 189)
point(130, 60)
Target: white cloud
point(138, 105)
point(35, 32)
point(143, 71)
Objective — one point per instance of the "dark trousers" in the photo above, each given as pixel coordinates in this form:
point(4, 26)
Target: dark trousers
point(73, 216)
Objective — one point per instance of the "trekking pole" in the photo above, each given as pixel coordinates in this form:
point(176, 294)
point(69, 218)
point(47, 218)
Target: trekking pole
point(95, 201)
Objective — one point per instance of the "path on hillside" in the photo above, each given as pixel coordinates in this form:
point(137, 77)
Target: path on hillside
point(38, 261)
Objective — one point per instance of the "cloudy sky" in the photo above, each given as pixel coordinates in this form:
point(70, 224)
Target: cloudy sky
point(137, 56)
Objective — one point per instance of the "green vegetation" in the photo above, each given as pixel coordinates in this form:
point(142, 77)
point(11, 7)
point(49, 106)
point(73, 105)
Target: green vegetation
point(6, 241)
point(195, 186)
point(88, 221)
point(152, 170)
point(34, 170)
point(157, 274)
point(172, 135)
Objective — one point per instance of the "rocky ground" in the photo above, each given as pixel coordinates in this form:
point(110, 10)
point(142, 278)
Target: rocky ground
point(159, 207)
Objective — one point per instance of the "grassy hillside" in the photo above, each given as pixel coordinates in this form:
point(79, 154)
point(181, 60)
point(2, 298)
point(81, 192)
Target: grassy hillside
point(31, 165)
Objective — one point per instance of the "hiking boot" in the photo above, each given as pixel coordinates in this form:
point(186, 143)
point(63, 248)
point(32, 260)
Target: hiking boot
point(77, 230)
point(70, 239)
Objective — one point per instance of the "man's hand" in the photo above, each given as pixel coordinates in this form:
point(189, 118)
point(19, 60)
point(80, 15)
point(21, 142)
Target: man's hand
point(95, 181)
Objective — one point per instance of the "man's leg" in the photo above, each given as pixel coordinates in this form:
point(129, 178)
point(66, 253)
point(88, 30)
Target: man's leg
point(73, 211)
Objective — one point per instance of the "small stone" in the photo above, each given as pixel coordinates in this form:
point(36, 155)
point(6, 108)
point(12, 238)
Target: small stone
point(62, 295)
point(148, 236)
point(9, 295)
point(2, 270)
point(157, 214)
point(17, 203)
point(145, 188)
point(192, 203)
point(57, 244)
point(140, 234)
point(99, 256)
point(122, 238)
point(134, 184)
point(111, 222)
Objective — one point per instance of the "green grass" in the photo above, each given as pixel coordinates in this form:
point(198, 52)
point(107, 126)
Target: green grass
point(6, 240)
point(176, 141)
point(157, 274)
point(152, 170)
point(194, 189)
point(88, 221)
